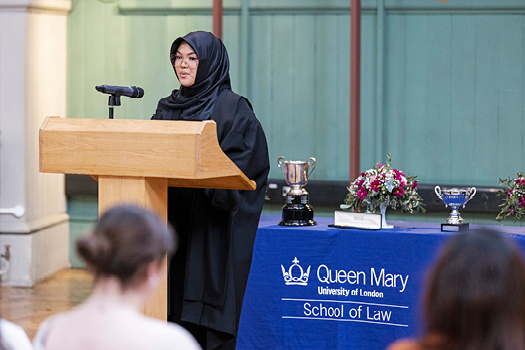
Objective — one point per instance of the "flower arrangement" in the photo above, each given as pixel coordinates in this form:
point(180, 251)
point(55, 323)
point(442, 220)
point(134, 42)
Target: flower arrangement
point(383, 186)
point(514, 202)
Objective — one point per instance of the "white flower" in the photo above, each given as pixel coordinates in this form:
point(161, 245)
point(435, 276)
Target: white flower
point(389, 184)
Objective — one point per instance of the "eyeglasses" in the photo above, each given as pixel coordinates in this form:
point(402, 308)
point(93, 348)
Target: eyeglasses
point(177, 60)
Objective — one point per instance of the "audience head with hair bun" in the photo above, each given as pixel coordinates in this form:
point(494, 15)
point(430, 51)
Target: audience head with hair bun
point(125, 240)
point(474, 296)
point(126, 251)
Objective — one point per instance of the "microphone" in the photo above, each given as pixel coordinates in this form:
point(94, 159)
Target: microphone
point(129, 91)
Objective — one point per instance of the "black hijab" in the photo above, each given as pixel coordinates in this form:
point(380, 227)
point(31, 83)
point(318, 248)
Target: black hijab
point(197, 101)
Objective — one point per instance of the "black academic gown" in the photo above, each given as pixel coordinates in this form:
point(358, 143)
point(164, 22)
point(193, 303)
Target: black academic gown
point(216, 229)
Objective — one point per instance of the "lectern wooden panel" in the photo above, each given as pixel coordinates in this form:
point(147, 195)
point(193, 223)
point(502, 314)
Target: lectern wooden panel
point(146, 192)
point(181, 151)
point(135, 161)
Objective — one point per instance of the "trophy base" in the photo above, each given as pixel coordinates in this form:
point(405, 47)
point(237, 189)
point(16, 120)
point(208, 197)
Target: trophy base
point(454, 227)
point(297, 212)
point(298, 223)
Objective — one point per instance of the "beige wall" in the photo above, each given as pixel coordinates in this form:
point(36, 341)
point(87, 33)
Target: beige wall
point(33, 57)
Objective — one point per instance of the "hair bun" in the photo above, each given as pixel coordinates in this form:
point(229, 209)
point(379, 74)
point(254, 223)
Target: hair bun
point(94, 249)
point(125, 240)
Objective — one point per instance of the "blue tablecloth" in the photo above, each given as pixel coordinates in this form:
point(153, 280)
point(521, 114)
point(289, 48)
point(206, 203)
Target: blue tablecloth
point(325, 288)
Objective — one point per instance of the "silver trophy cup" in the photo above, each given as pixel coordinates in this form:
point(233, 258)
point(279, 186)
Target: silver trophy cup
point(455, 198)
point(296, 174)
point(297, 211)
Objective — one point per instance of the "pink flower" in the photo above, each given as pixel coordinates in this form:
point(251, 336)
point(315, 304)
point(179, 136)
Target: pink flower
point(414, 184)
point(399, 191)
point(398, 174)
point(362, 192)
point(375, 186)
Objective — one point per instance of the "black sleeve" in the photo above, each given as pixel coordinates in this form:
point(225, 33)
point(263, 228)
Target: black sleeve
point(245, 144)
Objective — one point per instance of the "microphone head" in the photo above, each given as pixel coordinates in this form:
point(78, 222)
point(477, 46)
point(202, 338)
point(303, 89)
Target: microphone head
point(137, 92)
point(101, 88)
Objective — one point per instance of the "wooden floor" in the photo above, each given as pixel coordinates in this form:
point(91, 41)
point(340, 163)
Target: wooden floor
point(28, 307)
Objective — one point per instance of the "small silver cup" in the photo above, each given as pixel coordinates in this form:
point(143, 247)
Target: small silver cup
point(455, 198)
point(296, 174)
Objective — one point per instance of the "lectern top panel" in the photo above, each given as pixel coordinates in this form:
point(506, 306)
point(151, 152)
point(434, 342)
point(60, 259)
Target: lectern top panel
point(182, 151)
point(125, 125)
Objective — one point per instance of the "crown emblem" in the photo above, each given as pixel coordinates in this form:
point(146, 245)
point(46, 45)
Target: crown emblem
point(299, 278)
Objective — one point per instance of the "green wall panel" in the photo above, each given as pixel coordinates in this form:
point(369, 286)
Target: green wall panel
point(454, 107)
point(462, 91)
point(300, 88)
point(83, 213)
point(441, 84)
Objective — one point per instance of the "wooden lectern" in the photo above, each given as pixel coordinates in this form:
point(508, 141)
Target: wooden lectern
point(135, 161)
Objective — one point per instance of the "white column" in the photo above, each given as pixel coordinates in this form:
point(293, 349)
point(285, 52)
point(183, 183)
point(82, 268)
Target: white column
point(33, 61)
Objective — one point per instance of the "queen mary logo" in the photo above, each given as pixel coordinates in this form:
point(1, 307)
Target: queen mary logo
point(295, 274)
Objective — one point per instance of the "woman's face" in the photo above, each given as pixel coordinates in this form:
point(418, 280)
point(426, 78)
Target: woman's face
point(186, 63)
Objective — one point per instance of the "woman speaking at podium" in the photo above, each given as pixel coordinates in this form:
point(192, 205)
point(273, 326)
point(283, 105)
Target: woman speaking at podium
point(216, 228)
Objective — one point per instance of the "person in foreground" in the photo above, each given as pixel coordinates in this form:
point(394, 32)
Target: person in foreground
point(125, 251)
point(13, 337)
point(474, 296)
point(216, 227)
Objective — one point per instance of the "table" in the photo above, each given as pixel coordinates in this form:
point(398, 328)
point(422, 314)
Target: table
point(319, 288)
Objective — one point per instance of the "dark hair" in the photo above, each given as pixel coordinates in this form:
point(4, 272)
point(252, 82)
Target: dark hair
point(475, 295)
point(125, 240)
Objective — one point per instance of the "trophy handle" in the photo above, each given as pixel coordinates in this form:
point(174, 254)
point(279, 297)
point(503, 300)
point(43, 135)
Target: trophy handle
point(279, 162)
point(312, 160)
point(437, 189)
point(471, 195)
